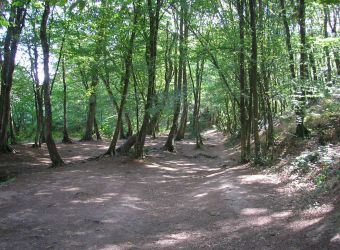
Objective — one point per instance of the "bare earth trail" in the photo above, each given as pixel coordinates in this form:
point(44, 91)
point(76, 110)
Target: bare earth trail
point(194, 199)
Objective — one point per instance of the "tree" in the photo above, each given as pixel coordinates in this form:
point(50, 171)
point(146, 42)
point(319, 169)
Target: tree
point(66, 138)
point(184, 116)
point(52, 149)
point(288, 38)
point(243, 132)
point(170, 144)
point(125, 79)
point(301, 130)
point(16, 23)
point(253, 79)
point(151, 56)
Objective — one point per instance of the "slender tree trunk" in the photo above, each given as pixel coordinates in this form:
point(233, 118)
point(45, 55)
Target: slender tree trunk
point(184, 116)
point(42, 138)
point(12, 130)
point(136, 97)
point(92, 109)
point(265, 88)
point(168, 75)
point(106, 82)
point(124, 148)
point(129, 124)
point(96, 129)
point(66, 138)
point(328, 59)
point(301, 130)
point(243, 115)
point(196, 86)
point(288, 39)
point(126, 81)
point(52, 149)
point(151, 56)
point(91, 116)
point(313, 66)
point(334, 31)
point(16, 20)
point(37, 89)
point(170, 144)
point(253, 79)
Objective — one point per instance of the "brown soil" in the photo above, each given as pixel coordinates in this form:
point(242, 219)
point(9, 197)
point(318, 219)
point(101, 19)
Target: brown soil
point(193, 199)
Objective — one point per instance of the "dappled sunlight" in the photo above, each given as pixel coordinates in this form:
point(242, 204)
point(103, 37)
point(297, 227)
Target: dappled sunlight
point(200, 195)
point(258, 178)
point(81, 198)
point(133, 206)
point(225, 186)
point(215, 174)
point(254, 211)
point(43, 193)
point(282, 215)
point(160, 167)
point(323, 209)
point(122, 246)
point(302, 224)
point(168, 176)
point(260, 220)
point(175, 238)
point(93, 200)
point(70, 189)
point(188, 143)
point(336, 238)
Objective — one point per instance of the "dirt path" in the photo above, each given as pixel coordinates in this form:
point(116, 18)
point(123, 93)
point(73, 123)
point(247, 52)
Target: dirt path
point(194, 199)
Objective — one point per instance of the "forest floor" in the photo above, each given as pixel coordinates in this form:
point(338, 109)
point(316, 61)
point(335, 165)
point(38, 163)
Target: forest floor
point(192, 199)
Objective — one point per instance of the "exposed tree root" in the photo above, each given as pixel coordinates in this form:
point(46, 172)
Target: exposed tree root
point(6, 149)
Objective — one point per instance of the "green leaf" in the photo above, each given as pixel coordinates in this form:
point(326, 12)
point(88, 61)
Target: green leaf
point(3, 22)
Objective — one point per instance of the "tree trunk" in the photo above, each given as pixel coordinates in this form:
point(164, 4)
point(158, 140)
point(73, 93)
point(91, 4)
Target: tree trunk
point(11, 130)
point(334, 31)
point(243, 115)
point(170, 144)
point(96, 129)
point(126, 81)
point(288, 38)
point(66, 138)
point(129, 124)
point(92, 109)
point(328, 59)
point(16, 21)
point(313, 66)
point(168, 75)
point(253, 79)
point(52, 149)
point(38, 91)
point(197, 100)
point(128, 144)
point(151, 56)
point(184, 117)
point(301, 130)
